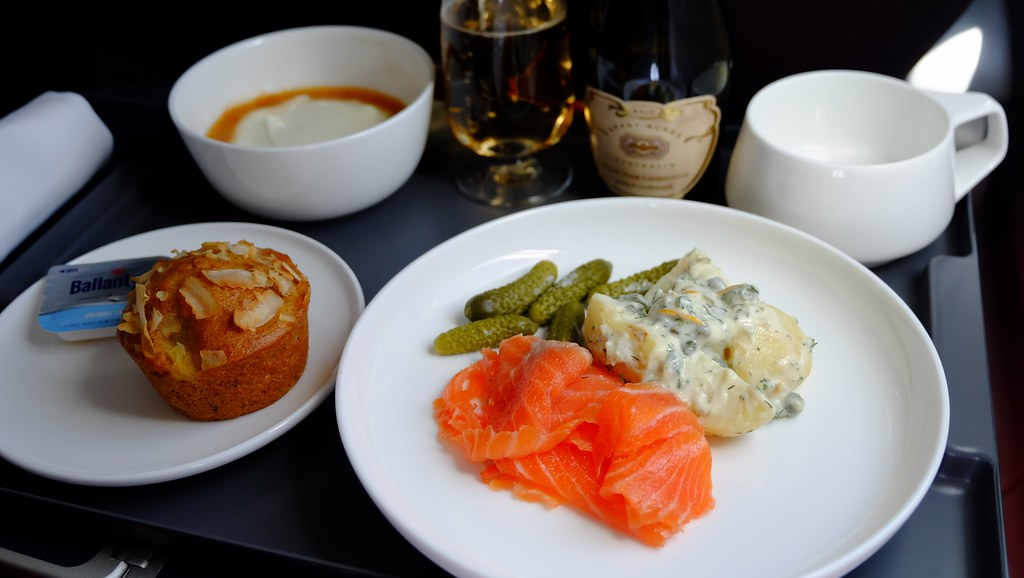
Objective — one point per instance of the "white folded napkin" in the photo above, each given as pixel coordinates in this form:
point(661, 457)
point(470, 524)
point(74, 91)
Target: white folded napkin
point(49, 149)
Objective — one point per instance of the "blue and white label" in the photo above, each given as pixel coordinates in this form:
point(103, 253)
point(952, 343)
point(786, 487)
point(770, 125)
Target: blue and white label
point(86, 300)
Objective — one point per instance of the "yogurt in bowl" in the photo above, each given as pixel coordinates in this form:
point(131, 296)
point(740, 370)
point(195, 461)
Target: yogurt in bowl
point(302, 178)
point(304, 116)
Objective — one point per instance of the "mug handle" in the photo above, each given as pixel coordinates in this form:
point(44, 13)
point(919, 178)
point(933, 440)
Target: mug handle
point(974, 162)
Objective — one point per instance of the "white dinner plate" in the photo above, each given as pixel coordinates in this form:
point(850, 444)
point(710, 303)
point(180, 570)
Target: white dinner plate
point(82, 411)
point(814, 495)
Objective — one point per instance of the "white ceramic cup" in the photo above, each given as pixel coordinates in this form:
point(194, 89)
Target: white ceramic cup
point(865, 162)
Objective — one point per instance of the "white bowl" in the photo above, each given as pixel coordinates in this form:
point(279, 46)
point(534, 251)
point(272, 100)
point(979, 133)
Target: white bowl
point(320, 180)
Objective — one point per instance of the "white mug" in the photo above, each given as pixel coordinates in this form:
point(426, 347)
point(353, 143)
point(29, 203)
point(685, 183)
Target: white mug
point(863, 161)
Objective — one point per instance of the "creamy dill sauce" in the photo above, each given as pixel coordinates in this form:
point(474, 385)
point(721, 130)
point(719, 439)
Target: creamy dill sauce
point(735, 359)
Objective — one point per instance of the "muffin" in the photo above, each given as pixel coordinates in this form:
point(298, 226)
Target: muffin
point(221, 331)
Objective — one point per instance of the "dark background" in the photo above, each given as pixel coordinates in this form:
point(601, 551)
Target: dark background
point(137, 53)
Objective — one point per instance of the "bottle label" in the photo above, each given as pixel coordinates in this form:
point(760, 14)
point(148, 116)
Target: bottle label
point(651, 149)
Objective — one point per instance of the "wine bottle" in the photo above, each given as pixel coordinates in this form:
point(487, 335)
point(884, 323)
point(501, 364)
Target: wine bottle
point(659, 76)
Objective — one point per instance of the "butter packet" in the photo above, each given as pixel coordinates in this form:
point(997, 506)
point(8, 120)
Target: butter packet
point(85, 301)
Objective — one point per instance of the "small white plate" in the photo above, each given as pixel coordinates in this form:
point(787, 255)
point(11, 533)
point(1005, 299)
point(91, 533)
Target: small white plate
point(82, 412)
point(811, 496)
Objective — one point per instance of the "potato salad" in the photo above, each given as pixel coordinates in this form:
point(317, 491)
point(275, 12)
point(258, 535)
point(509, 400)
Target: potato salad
point(734, 358)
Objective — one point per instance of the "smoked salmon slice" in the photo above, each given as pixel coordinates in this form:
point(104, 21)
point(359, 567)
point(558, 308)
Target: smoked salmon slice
point(551, 426)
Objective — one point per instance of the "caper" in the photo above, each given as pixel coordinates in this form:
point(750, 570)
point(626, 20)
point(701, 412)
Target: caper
point(792, 405)
point(739, 294)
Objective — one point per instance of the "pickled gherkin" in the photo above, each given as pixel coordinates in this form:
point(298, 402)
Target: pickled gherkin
point(515, 297)
point(567, 323)
point(635, 283)
point(482, 333)
point(574, 286)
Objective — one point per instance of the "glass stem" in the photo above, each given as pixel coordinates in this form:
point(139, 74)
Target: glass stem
point(517, 172)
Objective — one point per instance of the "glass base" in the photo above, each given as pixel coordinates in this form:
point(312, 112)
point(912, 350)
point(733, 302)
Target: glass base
point(517, 183)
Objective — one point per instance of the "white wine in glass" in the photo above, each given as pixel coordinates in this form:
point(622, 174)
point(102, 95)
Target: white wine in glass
point(508, 96)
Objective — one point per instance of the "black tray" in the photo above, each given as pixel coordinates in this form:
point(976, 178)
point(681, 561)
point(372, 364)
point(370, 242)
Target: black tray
point(296, 504)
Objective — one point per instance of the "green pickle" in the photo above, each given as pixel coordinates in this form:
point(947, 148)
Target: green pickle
point(574, 286)
point(515, 297)
point(567, 323)
point(482, 333)
point(635, 283)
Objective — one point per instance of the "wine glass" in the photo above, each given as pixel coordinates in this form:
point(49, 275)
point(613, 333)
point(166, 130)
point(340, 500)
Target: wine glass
point(508, 96)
